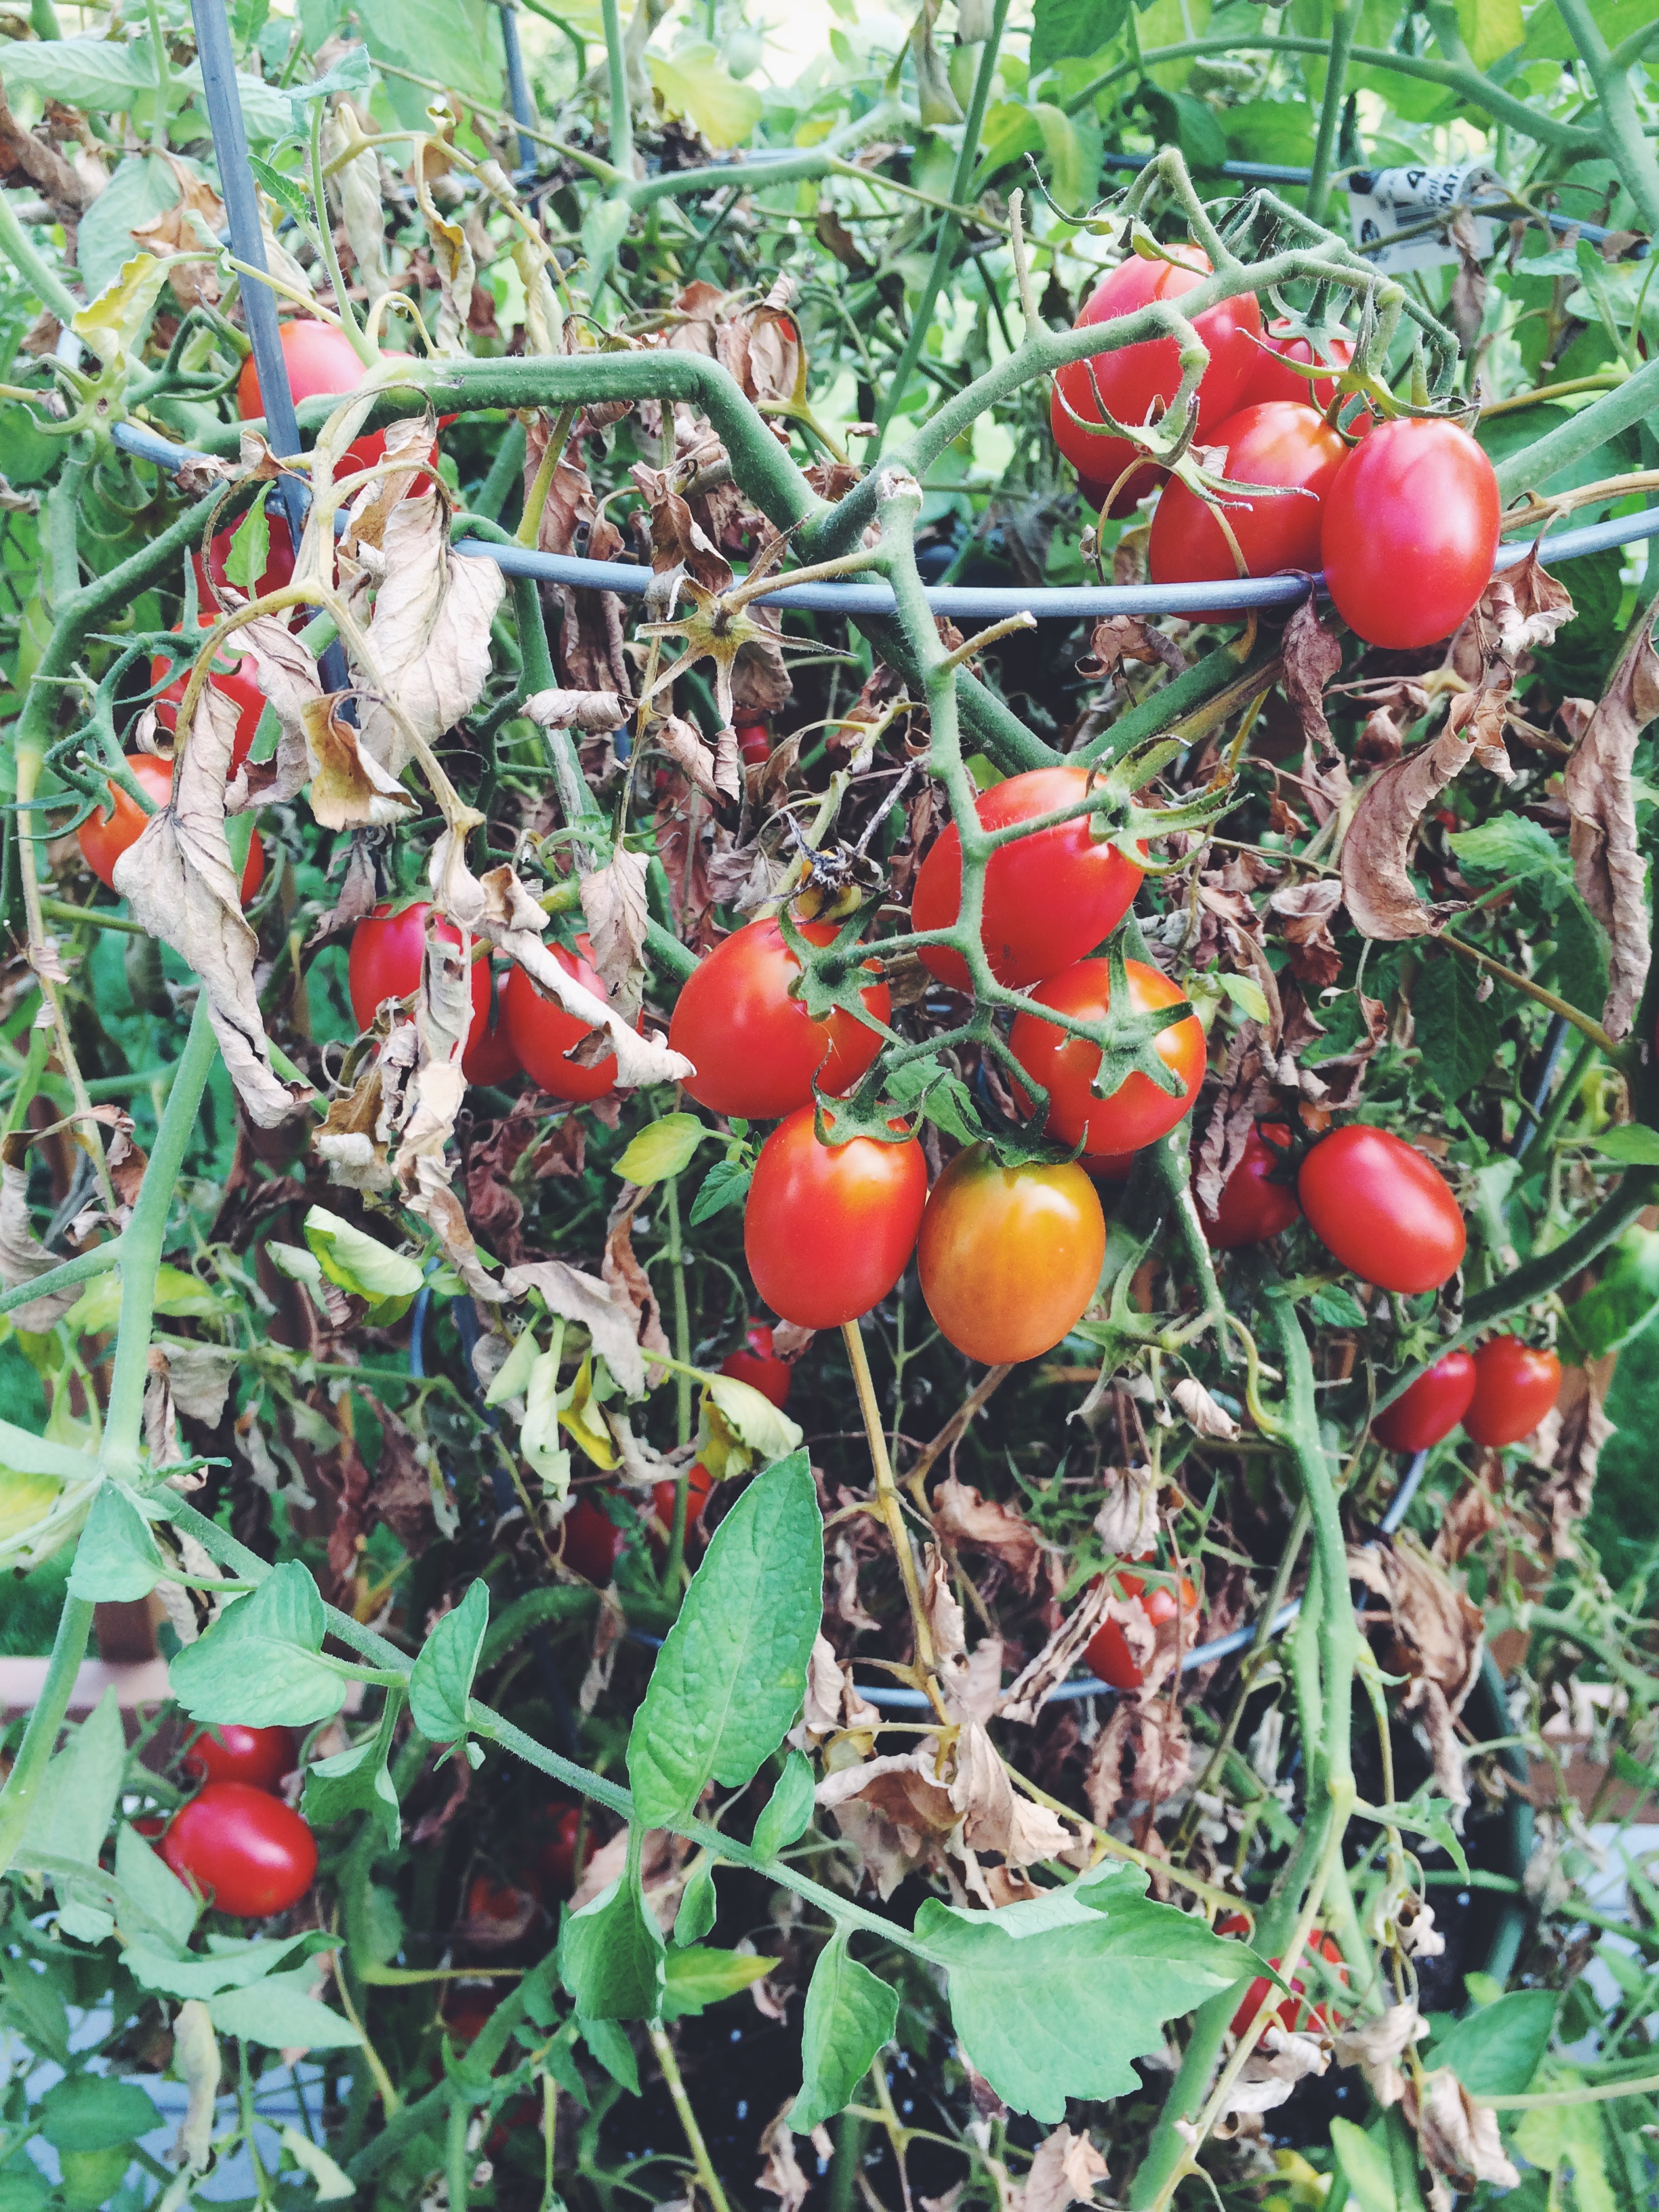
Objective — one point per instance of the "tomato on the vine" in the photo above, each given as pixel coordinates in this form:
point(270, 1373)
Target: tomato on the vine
point(236, 684)
point(1109, 1167)
point(1383, 1209)
point(1284, 340)
point(388, 948)
point(1411, 526)
point(1254, 1205)
point(1294, 2014)
point(542, 1033)
point(1009, 1258)
point(498, 1904)
point(592, 1541)
point(322, 363)
point(105, 835)
point(759, 1366)
point(1420, 1417)
point(754, 744)
point(1049, 898)
point(756, 1051)
point(1516, 1384)
point(1281, 443)
point(247, 1850)
point(1107, 1654)
point(231, 1752)
point(1137, 1113)
point(489, 1056)
point(1138, 380)
point(699, 1486)
point(827, 1228)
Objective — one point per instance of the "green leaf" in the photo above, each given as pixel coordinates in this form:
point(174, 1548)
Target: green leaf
point(662, 1149)
point(92, 2112)
point(116, 1558)
point(1577, 964)
point(1623, 1302)
point(610, 2047)
point(97, 1308)
point(732, 1674)
point(23, 2188)
point(456, 41)
point(1508, 849)
point(154, 1887)
point(1333, 1307)
point(696, 83)
point(1456, 1032)
point(353, 72)
point(1496, 2052)
point(940, 1095)
point(250, 543)
point(697, 1903)
point(726, 1183)
point(101, 74)
point(1247, 994)
point(362, 1264)
point(232, 1966)
point(1062, 28)
point(697, 1977)
point(1633, 1145)
point(279, 2013)
point(1491, 29)
point(512, 1378)
point(75, 1803)
point(355, 1781)
point(33, 2007)
point(1054, 1997)
point(1366, 2165)
point(611, 1954)
point(22, 1452)
point(442, 1681)
point(850, 2014)
point(788, 1812)
point(259, 1663)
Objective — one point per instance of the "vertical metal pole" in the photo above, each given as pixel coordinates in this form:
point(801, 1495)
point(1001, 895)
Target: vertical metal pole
point(518, 85)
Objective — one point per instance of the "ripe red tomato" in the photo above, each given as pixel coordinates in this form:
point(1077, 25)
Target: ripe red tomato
point(592, 1541)
point(487, 1900)
point(827, 1228)
point(1049, 899)
point(1253, 1206)
point(699, 1483)
point(1009, 1258)
point(234, 684)
point(1383, 1208)
point(555, 1861)
point(759, 1366)
point(211, 581)
point(1280, 443)
point(488, 1057)
point(1109, 1167)
point(756, 1050)
point(1135, 377)
point(1291, 2014)
point(1137, 1113)
point(1107, 1654)
point(245, 1848)
point(230, 1753)
point(754, 744)
point(1515, 1386)
point(321, 362)
point(542, 1033)
point(103, 837)
point(1410, 529)
point(1282, 341)
point(1431, 1409)
point(387, 949)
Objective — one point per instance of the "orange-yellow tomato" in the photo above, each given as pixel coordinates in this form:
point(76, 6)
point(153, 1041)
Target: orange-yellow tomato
point(1009, 1257)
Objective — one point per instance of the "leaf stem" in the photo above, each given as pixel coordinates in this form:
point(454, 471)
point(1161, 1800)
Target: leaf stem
point(670, 2069)
point(892, 1513)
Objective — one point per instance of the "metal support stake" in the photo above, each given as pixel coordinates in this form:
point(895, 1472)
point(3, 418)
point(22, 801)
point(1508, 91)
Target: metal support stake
point(518, 87)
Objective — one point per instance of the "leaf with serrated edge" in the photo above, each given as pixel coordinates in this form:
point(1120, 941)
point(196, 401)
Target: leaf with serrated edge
point(116, 1558)
point(441, 1681)
point(258, 1663)
point(610, 1955)
point(850, 2014)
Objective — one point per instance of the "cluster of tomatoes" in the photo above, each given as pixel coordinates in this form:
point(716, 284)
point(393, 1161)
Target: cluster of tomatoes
point(1403, 516)
point(1499, 1392)
point(1293, 2013)
point(242, 1846)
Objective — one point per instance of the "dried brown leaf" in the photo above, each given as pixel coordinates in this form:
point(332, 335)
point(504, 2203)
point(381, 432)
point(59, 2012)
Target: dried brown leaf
point(1606, 864)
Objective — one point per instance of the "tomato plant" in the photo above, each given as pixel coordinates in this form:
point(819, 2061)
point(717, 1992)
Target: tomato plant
point(543, 1036)
point(1258, 1200)
point(758, 1364)
point(756, 1051)
point(1108, 1655)
point(1138, 1111)
point(243, 1848)
point(234, 684)
point(1009, 1257)
point(1382, 1209)
point(1282, 341)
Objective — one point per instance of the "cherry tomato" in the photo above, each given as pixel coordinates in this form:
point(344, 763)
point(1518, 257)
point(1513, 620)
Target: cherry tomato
point(1383, 1209)
point(211, 581)
point(827, 1228)
point(1137, 1113)
point(1252, 1207)
point(754, 744)
point(1280, 443)
point(321, 362)
point(555, 1861)
point(234, 684)
point(1294, 2014)
point(230, 1753)
point(487, 1900)
point(1049, 899)
point(1284, 341)
point(1009, 1258)
point(103, 837)
point(245, 1848)
point(759, 1366)
point(699, 1483)
point(592, 1541)
point(1107, 1654)
point(1515, 1386)
point(1410, 529)
point(542, 1033)
point(1109, 1167)
point(1135, 377)
point(387, 949)
point(757, 1050)
point(1431, 1409)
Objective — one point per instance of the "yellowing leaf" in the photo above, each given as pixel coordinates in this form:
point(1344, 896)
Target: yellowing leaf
point(741, 1427)
point(24, 1500)
point(110, 323)
point(581, 1415)
point(694, 83)
point(361, 1263)
point(661, 1149)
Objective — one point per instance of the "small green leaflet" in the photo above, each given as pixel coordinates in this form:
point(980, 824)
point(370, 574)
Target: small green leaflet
point(280, 2013)
point(788, 1812)
point(726, 1183)
point(1496, 2050)
point(732, 1674)
point(362, 1264)
point(610, 1955)
point(92, 2112)
point(1066, 29)
point(442, 1681)
point(1457, 1032)
point(152, 1886)
point(697, 1903)
point(1508, 849)
point(259, 1663)
point(288, 193)
point(355, 1781)
point(850, 2014)
point(611, 2047)
point(1365, 2167)
point(1634, 1145)
point(662, 1149)
point(250, 544)
point(1333, 1307)
point(71, 1816)
point(1247, 994)
point(233, 1966)
point(696, 1977)
point(116, 1558)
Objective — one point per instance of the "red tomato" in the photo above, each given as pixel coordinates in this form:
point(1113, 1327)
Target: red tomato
point(827, 1228)
point(239, 689)
point(211, 581)
point(1411, 527)
point(1107, 1653)
point(1138, 380)
point(489, 1056)
point(698, 1484)
point(592, 1541)
point(467, 2009)
point(259, 1756)
point(387, 949)
point(754, 744)
point(321, 362)
point(1109, 1167)
point(1294, 2015)
point(1252, 1207)
point(555, 1861)
point(1383, 1209)
point(757, 1050)
point(1049, 899)
point(759, 1366)
point(1431, 1409)
point(1515, 1386)
point(1280, 443)
point(499, 1901)
point(1283, 341)
point(1009, 1258)
point(103, 837)
point(1137, 1113)
point(542, 1033)
point(245, 1848)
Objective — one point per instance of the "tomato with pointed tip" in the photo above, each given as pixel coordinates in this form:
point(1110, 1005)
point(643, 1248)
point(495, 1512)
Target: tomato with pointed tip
point(1049, 898)
point(250, 1853)
point(827, 1228)
point(1137, 1113)
point(542, 1033)
point(1516, 1384)
point(756, 1051)
point(388, 947)
point(1383, 1209)
point(1107, 1654)
point(1411, 526)
point(592, 1541)
point(1254, 1205)
point(1425, 1415)
point(754, 744)
point(105, 835)
point(1009, 1258)
point(1281, 443)
point(1284, 339)
point(236, 684)
point(231, 1752)
point(759, 1366)
point(1137, 381)
point(699, 1487)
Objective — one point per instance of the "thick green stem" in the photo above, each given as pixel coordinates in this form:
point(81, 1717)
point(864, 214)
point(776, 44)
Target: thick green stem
point(1622, 137)
point(615, 65)
point(23, 1783)
point(32, 265)
point(1536, 466)
point(1343, 28)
